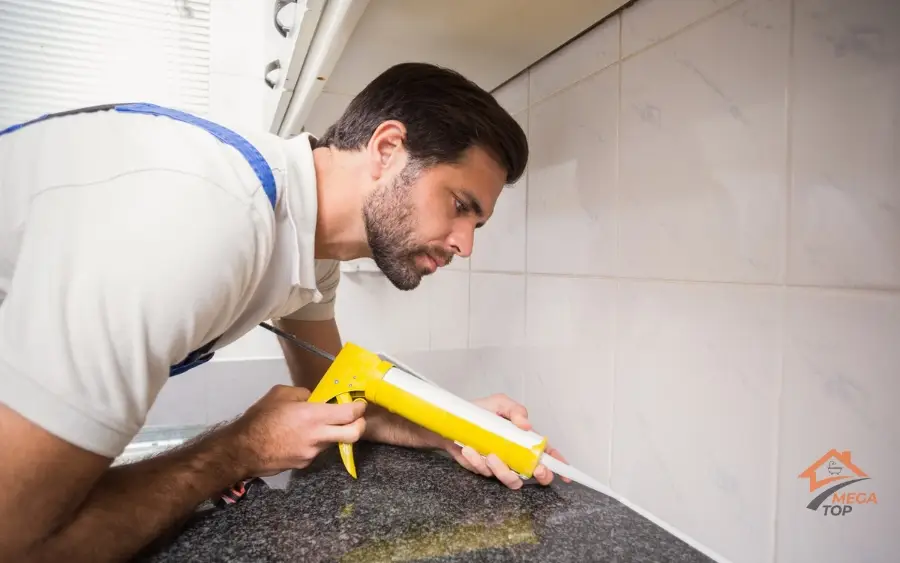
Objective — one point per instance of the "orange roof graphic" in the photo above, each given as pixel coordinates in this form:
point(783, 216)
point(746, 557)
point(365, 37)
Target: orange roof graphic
point(843, 457)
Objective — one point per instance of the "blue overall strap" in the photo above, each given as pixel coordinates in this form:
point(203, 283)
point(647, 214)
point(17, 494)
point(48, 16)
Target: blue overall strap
point(256, 161)
point(254, 158)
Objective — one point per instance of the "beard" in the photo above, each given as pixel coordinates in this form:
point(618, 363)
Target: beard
point(390, 228)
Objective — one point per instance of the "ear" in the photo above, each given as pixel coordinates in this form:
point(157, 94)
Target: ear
point(385, 149)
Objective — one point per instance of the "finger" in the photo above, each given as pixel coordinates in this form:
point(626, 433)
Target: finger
point(457, 454)
point(516, 413)
point(503, 473)
point(543, 475)
point(476, 461)
point(329, 413)
point(345, 434)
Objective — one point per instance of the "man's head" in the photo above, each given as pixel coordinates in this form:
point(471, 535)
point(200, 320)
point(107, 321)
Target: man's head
point(439, 150)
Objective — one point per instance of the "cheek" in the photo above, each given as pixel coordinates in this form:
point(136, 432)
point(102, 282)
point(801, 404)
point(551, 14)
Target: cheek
point(435, 218)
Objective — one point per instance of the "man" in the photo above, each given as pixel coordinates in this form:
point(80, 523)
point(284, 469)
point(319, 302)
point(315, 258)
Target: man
point(135, 241)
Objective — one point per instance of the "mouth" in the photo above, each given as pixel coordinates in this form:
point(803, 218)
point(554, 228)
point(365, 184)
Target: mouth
point(429, 263)
point(440, 261)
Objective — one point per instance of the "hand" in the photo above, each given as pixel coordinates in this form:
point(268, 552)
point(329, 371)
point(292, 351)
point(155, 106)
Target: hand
point(283, 431)
point(492, 465)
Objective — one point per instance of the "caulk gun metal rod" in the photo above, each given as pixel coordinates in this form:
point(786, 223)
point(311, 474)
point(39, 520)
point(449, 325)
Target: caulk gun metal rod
point(297, 342)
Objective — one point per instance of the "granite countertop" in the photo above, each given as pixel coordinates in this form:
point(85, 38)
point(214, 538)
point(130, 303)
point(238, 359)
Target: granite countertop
point(411, 505)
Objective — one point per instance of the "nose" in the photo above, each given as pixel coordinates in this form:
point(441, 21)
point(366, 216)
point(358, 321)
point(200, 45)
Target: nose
point(461, 240)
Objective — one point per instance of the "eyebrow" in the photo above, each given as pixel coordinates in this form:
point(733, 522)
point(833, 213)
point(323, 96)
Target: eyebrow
point(475, 205)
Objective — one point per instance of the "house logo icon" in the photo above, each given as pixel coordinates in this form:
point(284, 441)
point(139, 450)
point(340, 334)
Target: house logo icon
point(830, 474)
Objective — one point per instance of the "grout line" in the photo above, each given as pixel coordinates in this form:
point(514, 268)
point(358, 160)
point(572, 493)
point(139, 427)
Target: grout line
point(617, 186)
point(575, 83)
point(789, 140)
point(682, 30)
point(778, 285)
point(783, 340)
point(563, 46)
point(527, 168)
point(779, 415)
point(525, 264)
point(429, 312)
point(617, 293)
point(622, 58)
point(469, 309)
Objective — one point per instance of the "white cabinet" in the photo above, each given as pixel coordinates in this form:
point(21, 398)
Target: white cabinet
point(339, 46)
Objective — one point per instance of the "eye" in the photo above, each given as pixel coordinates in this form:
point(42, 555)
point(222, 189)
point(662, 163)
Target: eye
point(460, 206)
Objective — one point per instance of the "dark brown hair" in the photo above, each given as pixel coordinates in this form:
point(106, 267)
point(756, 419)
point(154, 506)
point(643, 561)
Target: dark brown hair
point(444, 114)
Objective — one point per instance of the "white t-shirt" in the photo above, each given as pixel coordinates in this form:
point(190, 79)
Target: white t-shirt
point(128, 241)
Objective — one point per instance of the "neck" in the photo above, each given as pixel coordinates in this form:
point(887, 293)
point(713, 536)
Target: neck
point(340, 228)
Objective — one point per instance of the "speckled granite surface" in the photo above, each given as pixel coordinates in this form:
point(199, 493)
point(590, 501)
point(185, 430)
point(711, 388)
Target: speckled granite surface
point(419, 506)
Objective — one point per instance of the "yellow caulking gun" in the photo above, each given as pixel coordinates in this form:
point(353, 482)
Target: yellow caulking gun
point(356, 374)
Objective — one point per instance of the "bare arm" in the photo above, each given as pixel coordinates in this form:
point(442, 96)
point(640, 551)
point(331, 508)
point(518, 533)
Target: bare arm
point(307, 370)
point(62, 503)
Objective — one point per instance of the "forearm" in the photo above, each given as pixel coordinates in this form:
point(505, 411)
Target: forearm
point(134, 504)
point(388, 428)
point(306, 369)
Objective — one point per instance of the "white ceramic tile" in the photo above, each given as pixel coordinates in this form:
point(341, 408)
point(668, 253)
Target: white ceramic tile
point(238, 32)
point(238, 101)
point(500, 243)
point(448, 310)
point(492, 371)
point(702, 185)
point(232, 387)
point(567, 385)
point(496, 310)
point(649, 21)
point(513, 96)
point(840, 393)
point(596, 49)
point(472, 374)
point(256, 344)
point(459, 264)
point(570, 314)
point(694, 431)
point(181, 401)
point(374, 314)
point(327, 109)
point(446, 368)
point(571, 179)
point(845, 221)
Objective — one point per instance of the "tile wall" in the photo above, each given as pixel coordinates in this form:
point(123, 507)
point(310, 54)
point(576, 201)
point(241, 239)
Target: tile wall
point(695, 290)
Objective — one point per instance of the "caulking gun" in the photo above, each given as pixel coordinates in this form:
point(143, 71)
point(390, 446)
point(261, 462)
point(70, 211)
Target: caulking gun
point(357, 374)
